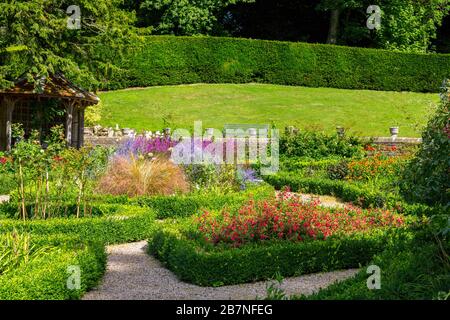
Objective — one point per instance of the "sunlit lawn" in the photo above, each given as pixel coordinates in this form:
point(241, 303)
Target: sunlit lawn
point(364, 112)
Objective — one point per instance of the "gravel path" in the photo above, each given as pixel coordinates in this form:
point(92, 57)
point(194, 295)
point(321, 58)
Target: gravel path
point(4, 198)
point(134, 275)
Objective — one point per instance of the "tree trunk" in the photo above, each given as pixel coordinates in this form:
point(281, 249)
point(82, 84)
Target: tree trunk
point(334, 27)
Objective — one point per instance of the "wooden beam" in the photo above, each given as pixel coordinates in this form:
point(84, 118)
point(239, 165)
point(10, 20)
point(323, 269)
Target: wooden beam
point(69, 119)
point(10, 104)
point(81, 127)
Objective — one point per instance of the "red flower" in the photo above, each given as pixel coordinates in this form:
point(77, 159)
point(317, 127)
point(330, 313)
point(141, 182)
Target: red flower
point(3, 160)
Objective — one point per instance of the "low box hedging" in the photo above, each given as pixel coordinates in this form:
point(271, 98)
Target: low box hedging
point(187, 205)
point(119, 223)
point(413, 271)
point(168, 60)
point(45, 278)
point(215, 266)
point(358, 194)
point(71, 242)
point(294, 164)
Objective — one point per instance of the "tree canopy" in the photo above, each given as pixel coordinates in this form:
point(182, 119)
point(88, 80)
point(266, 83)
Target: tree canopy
point(36, 39)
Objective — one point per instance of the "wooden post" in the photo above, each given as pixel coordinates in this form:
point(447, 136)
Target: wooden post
point(81, 127)
point(10, 104)
point(69, 120)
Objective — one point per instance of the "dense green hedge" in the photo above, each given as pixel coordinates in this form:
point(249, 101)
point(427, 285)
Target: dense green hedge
point(46, 277)
point(79, 242)
point(118, 224)
point(358, 194)
point(166, 60)
point(209, 266)
point(409, 272)
point(187, 205)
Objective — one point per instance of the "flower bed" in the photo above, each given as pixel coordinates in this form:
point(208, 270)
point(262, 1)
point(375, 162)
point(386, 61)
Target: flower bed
point(287, 217)
point(219, 250)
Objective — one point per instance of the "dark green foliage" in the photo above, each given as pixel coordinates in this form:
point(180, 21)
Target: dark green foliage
point(35, 39)
point(318, 145)
point(416, 269)
point(208, 266)
point(46, 277)
point(163, 60)
point(358, 194)
point(187, 205)
point(78, 242)
point(338, 171)
point(115, 224)
point(296, 164)
point(427, 177)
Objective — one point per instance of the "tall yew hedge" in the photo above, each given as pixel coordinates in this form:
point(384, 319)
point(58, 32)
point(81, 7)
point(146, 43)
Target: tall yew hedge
point(166, 60)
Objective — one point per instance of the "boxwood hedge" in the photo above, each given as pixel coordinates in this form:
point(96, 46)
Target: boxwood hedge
point(359, 194)
point(45, 278)
point(119, 223)
point(187, 205)
point(214, 266)
point(168, 60)
point(418, 269)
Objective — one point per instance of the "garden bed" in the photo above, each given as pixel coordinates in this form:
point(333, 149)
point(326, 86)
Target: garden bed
point(278, 236)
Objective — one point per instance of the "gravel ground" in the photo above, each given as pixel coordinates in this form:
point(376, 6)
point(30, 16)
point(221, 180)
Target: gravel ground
point(134, 275)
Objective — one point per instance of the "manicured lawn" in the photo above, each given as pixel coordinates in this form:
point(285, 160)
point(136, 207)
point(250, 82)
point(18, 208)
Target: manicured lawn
point(364, 112)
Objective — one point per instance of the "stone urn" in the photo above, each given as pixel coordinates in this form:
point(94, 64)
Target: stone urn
point(394, 131)
point(340, 131)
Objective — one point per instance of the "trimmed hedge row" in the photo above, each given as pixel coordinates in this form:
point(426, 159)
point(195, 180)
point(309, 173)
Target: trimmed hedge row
point(80, 242)
point(358, 194)
point(415, 271)
point(119, 223)
point(169, 60)
point(187, 205)
point(46, 277)
point(194, 263)
point(294, 164)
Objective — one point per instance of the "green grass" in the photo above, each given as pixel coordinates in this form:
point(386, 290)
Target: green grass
point(364, 112)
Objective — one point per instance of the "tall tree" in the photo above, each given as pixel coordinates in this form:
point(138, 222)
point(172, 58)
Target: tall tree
point(410, 25)
point(185, 17)
point(335, 9)
point(50, 42)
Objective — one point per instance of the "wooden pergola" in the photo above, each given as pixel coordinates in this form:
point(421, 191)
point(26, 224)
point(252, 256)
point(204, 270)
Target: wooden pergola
point(16, 106)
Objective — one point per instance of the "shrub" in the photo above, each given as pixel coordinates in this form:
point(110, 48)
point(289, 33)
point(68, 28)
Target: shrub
point(427, 177)
point(188, 205)
point(358, 194)
point(180, 60)
point(45, 278)
point(338, 171)
point(115, 224)
point(319, 145)
point(134, 176)
point(46, 178)
point(16, 249)
point(416, 269)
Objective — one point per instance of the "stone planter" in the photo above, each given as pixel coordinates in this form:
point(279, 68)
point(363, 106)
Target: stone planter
point(340, 131)
point(394, 131)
